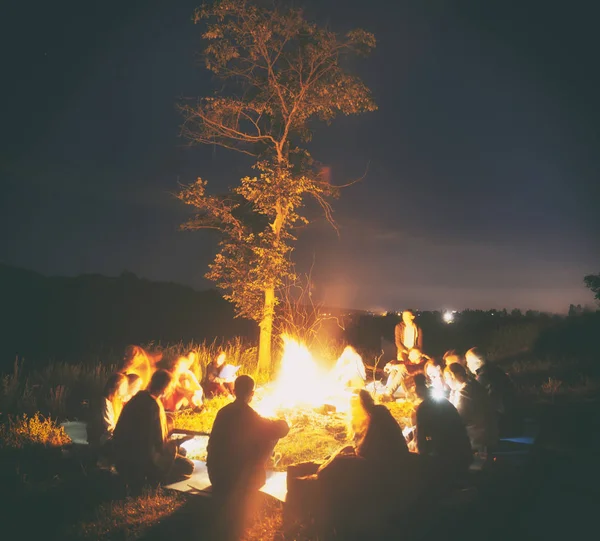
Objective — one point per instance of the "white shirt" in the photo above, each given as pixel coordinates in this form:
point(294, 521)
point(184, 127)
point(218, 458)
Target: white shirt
point(410, 336)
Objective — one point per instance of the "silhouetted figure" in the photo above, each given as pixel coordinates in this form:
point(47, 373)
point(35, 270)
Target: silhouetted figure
point(474, 406)
point(240, 444)
point(213, 384)
point(106, 411)
point(361, 484)
point(142, 449)
point(500, 388)
point(440, 432)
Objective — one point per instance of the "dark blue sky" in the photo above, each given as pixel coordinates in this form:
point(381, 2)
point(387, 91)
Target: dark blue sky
point(483, 159)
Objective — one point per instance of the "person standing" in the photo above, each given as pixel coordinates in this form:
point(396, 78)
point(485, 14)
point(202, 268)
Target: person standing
point(408, 336)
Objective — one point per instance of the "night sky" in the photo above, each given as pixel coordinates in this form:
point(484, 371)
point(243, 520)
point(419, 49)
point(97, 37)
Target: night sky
point(482, 162)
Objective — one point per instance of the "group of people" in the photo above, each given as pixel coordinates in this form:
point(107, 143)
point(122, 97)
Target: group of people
point(481, 393)
point(130, 423)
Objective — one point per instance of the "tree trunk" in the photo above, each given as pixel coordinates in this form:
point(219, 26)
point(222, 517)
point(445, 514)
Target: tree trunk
point(266, 331)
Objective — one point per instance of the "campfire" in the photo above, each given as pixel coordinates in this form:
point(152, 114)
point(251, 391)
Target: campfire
point(304, 383)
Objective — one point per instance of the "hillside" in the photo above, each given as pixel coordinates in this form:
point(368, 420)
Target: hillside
point(44, 318)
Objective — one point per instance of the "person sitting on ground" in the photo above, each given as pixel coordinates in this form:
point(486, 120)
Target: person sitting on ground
point(434, 373)
point(241, 442)
point(499, 386)
point(142, 448)
point(474, 406)
point(408, 336)
point(185, 389)
point(214, 385)
point(138, 361)
point(134, 386)
point(441, 433)
point(356, 483)
point(400, 372)
point(105, 412)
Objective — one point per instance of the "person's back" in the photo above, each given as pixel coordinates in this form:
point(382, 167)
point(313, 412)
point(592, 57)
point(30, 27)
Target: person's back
point(383, 442)
point(140, 433)
point(476, 411)
point(239, 446)
point(441, 433)
point(498, 385)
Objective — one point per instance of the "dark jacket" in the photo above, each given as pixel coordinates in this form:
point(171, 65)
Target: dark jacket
point(383, 441)
point(140, 437)
point(499, 386)
point(399, 336)
point(478, 415)
point(239, 446)
point(441, 433)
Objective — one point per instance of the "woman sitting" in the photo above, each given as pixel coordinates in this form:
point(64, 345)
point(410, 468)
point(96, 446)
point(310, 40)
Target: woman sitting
point(184, 389)
point(214, 385)
point(105, 412)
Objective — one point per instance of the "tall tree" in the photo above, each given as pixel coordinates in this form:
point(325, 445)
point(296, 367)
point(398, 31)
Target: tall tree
point(278, 72)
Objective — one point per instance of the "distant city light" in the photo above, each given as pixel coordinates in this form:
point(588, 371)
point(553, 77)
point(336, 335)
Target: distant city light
point(448, 317)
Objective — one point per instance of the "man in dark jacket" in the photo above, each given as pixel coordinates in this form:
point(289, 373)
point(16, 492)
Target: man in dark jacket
point(142, 449)
point(441, 433)
point(499, 387)
point(474, 406)
point(241, 442)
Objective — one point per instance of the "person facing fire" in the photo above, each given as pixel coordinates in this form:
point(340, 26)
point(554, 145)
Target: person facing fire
point(214, 385)
point(440, 431)
point(408, 336)
point(434, 373)
point(240, 444)
point(141, 446)
point(499, 386)
point(105, 412)
point(474, 406)
point(399, 373)
point(134, 386)
point(185, 389)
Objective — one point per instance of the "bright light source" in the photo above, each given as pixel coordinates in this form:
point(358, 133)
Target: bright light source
point(448, 317)
point(437, 394)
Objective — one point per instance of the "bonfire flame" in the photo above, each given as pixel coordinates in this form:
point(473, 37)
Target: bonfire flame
point(302, 382)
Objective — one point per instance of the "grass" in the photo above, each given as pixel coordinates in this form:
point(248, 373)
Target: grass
point(33, 402)
point(128, 519)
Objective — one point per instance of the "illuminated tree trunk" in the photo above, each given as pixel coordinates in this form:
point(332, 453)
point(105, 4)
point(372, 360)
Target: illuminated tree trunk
point(266, 331)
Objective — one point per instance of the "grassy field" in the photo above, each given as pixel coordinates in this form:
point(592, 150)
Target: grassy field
point(36, 471)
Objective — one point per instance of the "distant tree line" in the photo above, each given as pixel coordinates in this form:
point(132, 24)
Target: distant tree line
point(58, 318)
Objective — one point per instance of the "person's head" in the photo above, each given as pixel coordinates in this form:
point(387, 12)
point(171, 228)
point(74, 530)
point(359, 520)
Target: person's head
point(220, 360)
point(434, 370)
point(159, 383)
point(451, 357)
point(134, 385)
point(455, 375)
point(421, 386)
point(185, 362)
point(115, 387)
point(474, 359)
point(243, 388)
point(408, 317)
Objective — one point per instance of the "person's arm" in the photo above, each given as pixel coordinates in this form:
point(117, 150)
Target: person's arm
point(419, 338)
point(398, 337)
point(108, 417)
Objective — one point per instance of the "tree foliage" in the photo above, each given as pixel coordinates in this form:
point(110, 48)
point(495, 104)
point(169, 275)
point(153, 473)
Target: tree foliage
point(278, 73)
point(592, 281)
